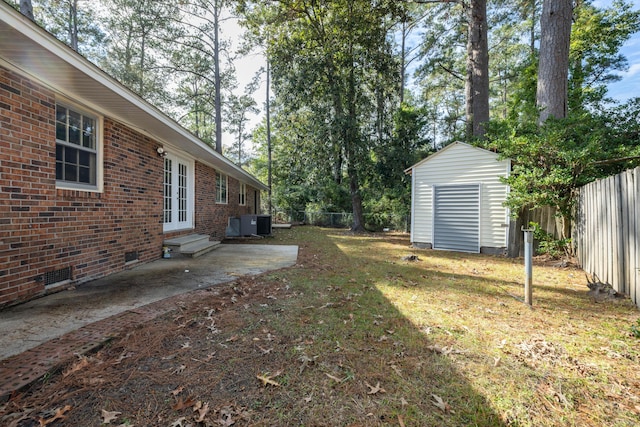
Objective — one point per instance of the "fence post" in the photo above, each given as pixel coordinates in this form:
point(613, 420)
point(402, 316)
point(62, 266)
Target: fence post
point(528, 266)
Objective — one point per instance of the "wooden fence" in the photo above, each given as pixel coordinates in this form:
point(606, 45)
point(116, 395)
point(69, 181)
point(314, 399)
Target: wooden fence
point(545, 217)
point(606, 231)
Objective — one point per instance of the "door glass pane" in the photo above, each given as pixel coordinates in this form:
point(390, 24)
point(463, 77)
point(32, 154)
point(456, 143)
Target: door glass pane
point(182, 192)
point(167, 191)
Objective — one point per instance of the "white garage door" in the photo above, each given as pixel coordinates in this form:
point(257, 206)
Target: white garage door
point(456, 217)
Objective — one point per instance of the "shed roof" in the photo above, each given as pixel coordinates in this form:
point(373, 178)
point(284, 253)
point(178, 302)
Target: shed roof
point(409, 170)
point(33, 51)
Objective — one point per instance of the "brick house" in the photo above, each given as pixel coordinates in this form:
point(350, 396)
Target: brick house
point(93, 179)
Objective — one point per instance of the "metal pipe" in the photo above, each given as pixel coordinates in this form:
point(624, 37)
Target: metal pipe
point(528, 266)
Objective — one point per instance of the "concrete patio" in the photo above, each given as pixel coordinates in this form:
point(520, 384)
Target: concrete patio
point(42, 334)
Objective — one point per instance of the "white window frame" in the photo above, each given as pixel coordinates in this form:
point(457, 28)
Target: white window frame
point(222, 183)
point(98, 150)
point(242, 194)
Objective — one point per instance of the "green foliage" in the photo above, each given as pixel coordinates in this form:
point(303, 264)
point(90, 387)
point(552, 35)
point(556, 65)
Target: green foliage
point(60, 17)
point(139, 31)
point(549, 245)
point(635, 329)
point(549, 162)
point(389, 188)
point(335, 81)
point(596, 38)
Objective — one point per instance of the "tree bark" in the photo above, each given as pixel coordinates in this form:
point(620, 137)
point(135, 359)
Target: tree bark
point(216, 72)
point(73, 24)
point(477, 83)
point(26, 8)
point(553, 69)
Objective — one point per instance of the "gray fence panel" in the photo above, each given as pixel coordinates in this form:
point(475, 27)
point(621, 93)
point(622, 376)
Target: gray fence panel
point(606, 231)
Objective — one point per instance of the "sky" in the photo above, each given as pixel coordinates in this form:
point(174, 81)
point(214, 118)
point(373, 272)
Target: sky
point(629, 86)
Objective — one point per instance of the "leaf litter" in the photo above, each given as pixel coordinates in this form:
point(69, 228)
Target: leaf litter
point(235, 349)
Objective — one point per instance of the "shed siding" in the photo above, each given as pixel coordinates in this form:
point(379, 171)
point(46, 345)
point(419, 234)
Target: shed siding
point(462, 164)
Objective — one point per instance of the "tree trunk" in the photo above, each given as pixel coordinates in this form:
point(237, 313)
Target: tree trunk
point(26, 8)
point(269, 153)
point(73, 24)
point(403, 65)
point(216, 70)
point(553, 70)
point(477, 83)
point(356, 201)
point(532, 29)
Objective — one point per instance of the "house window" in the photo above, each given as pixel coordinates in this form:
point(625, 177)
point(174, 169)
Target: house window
point(242, 195)
point(76, 148)
point(221, 188)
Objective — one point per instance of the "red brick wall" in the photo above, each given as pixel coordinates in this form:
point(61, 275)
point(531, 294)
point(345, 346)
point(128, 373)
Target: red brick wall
point(212, 218)
point(44, 229)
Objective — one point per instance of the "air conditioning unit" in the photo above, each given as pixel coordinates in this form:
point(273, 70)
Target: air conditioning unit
point(252, 225)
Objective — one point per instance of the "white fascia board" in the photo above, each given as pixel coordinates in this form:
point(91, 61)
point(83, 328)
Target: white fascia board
point(186, 141)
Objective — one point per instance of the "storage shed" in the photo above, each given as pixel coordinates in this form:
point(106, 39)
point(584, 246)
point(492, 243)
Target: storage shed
point(457, 200)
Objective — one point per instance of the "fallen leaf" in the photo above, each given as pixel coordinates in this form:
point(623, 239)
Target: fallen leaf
point(108, 416)
point(308, 399)
point(178, 422)
point(336, 379)
point(440, 404)
point(120, 358)
point(182, 404)
point(177, 391)
point(376, 389)
point(265, 350)
point(403, 401)
point(202, 412)
point(268, 379)
point(59, 415)
point(306, 360)
point(400, 420)
point(396, 370)
point(82, 363)
point(179, 369)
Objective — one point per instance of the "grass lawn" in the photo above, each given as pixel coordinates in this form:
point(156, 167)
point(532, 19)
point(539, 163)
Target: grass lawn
point(354, 335)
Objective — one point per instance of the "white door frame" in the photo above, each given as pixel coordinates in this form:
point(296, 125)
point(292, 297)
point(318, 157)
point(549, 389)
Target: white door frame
point(178, 205)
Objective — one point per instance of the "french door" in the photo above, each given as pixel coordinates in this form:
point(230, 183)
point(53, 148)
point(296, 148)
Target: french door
point(178, 193)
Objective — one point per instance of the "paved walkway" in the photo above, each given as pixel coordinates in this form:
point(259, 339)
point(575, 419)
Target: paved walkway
point(48, 332)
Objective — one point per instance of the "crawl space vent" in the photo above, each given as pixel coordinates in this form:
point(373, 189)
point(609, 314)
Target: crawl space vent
point(130, 256)
point(55, 276)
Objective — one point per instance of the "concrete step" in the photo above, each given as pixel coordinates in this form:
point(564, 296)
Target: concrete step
point(185, 240)
point(192, 245)
point(194, 250)
point(281, 226)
